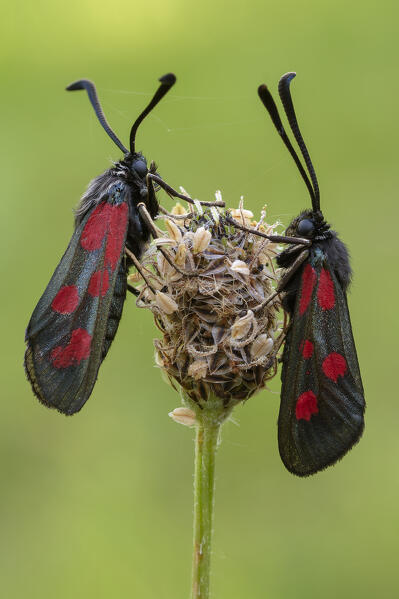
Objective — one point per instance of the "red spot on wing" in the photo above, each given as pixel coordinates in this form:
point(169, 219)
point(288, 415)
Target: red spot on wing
point(96, 227)
point(106, 221)
point(334, 366)
point(99, 283)
point(66, 300)
point(72, 354)
point(306, 405)
point(306, 348)
point(116, 234)
point(325, 292)
point(308, 283)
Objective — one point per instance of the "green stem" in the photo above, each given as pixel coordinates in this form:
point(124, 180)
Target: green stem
point(208, 427)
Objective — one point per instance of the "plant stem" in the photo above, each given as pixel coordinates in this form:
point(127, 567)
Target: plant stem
point(208, 427)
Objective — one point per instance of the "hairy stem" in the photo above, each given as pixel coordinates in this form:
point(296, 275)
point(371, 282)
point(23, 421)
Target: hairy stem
point(206, 442)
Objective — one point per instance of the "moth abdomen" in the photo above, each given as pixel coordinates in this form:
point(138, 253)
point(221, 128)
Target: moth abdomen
point(116, 307)
point(338, 256)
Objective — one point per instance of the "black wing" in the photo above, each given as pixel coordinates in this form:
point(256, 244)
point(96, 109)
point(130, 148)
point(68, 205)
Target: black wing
point(322, 401)
point(76, 318)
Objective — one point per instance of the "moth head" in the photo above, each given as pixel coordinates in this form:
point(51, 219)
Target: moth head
point(302, 226)
point(139, 166)
point(309, 224)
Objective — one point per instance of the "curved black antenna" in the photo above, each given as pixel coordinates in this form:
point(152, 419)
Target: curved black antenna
point(285, 95)
point(167, 81)
point(93, 97)
point(271, 108)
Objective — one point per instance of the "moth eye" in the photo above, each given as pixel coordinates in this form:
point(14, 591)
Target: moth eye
point(305, 227)
point(140, 167)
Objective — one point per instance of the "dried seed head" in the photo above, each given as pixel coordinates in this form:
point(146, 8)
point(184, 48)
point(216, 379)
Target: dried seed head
point(218, 336)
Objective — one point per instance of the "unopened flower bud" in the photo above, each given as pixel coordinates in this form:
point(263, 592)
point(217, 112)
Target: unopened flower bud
point(178, 210)
point(163, 265)
point(244, 217)
point(180, 257)
point(240, 267)
point(218, 195)
point(135, 277)
point(184, 192)
point(165, 302)
point(173, 230)
point(201, 240)
point(161, 241)
point(215, 214)
point(183, 416)
point(261, 346)
point(158, 359)
point(242, 325)
point(198, 369)
point(198, 207)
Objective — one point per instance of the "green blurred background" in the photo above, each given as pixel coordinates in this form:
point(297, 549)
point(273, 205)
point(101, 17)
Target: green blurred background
point(100, 505)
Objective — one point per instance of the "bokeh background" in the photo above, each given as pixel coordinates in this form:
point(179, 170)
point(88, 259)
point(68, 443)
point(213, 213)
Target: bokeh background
point(100, 504)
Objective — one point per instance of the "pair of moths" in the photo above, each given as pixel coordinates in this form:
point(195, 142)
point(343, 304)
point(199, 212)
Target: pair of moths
point(73, 325)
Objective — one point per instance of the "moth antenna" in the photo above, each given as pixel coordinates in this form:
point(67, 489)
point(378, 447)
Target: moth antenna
point(270, 105)
point(285, 95)
point(93, 97)
point(167, 81)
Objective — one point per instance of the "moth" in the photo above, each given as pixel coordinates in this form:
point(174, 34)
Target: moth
point(76, 319)
point(322, 400)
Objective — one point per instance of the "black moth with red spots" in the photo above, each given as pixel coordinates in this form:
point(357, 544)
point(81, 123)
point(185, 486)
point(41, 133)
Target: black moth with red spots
point(75, 321)
point(322, 401)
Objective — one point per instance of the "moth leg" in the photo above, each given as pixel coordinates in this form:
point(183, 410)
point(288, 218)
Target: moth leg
point(175, 194)
point(283, 335)
point(281, 338)
point(275, 238)
point(140, 270)
point(151, 197)
point(294, 249)
point(285, 279)
point(186, 216)
point(153, 203)
point(151, 226)
point(299, 260)
point(133, 290)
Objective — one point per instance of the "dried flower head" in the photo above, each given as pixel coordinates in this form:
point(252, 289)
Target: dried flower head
point(205, 283)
